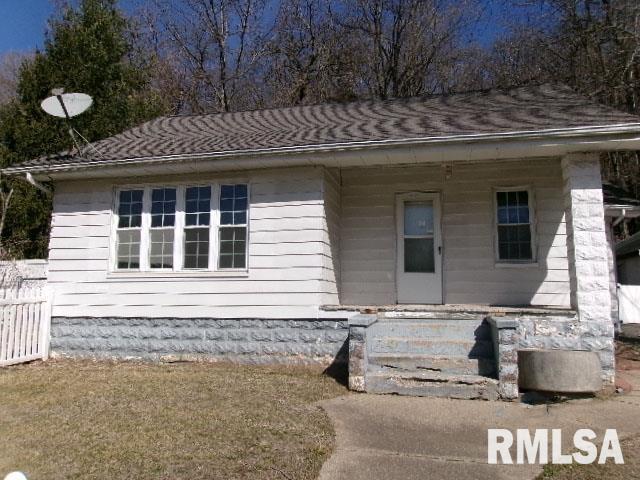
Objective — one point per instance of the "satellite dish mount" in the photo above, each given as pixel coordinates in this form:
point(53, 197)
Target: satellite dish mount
point(67, 106)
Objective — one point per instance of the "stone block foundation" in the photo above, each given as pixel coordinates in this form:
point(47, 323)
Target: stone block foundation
point(514, 333)
point(258, 341)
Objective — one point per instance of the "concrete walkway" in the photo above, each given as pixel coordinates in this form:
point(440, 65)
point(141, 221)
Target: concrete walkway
point(382, 437)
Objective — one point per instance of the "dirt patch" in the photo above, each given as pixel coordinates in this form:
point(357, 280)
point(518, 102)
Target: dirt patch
point(69, 419)
point(627, 355)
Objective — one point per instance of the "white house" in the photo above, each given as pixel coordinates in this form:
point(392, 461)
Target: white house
point(257, 235)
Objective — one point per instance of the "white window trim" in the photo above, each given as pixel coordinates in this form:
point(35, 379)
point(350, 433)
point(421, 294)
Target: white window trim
point(505, 263)
point(178, 271)
point(113, 240)
point(246, 225)
point(213, 208)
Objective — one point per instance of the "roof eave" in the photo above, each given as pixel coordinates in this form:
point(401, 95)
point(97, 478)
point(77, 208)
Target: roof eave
point(529, 143)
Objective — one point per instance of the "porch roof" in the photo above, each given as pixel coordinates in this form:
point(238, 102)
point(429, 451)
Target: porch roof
point(533, 112)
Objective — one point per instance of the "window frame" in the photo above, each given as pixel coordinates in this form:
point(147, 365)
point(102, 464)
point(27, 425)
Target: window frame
point(178, 269)
point(500, 262)
point(115, 228)
point(213, 221)
point(220, 227)
point(151, 228)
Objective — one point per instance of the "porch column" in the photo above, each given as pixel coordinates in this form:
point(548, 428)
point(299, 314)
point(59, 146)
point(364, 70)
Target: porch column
point(587, 255)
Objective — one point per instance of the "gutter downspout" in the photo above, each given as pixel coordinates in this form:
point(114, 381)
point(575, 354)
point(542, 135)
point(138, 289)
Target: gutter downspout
point(35, 183)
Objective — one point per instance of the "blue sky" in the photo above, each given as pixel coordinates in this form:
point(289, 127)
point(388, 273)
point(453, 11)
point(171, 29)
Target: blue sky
point(23, 22)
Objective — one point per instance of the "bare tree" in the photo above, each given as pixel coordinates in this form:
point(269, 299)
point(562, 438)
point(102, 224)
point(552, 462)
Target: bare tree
point(214, 47)
point(309, 62)
point(406, 41)
point(591, 45)
point(10, 63)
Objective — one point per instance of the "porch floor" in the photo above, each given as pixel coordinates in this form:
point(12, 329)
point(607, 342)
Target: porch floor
point(453, 308)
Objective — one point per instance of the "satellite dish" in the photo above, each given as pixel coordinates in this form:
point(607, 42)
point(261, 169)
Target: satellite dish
point(66, 105)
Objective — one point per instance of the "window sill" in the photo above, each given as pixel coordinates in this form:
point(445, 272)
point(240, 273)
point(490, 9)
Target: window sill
point(184, 274)
point(516, 265)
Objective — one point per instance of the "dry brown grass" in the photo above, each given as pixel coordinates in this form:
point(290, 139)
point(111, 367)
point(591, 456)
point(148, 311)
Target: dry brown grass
point(66, 419)
point(610, 471)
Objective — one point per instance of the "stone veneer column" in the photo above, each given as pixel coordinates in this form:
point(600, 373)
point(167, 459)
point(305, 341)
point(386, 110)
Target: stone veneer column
point(358, 325)
point(504, 331)
point(587, 251)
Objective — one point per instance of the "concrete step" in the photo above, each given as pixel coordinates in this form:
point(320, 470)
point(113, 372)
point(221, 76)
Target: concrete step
point(447, 329)
point(430, 384)
point(424, 346)
point(455, 365)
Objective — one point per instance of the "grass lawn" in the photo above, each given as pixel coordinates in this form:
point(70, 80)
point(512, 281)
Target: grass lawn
point(71, 419)
point(627, 358)
point(609, 471)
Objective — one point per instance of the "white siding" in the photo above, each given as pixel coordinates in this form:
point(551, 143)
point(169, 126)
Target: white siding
point(367, 242)
point(331, 194)
point(289, 255)
point(318, 236)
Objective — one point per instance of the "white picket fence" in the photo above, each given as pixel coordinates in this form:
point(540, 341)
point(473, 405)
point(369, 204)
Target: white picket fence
point(25, 322)
point(629, 303)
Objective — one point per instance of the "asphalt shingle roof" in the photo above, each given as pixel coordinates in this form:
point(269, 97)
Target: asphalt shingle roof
point(530, 109)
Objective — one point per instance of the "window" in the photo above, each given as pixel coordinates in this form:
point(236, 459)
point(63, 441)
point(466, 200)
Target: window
point(233, 226)
point(176, 227)
point(161, 234)
point(129, 229)
point(196, 227)
point(514, 226)
point(418, 237)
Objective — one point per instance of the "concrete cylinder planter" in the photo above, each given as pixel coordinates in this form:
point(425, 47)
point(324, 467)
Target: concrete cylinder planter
point(564, 371)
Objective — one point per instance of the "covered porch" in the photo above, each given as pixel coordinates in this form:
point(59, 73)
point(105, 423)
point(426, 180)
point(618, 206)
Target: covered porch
point(485, 233)
point(497, 255)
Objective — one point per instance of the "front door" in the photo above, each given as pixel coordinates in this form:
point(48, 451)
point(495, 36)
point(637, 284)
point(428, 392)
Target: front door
point(419, 264)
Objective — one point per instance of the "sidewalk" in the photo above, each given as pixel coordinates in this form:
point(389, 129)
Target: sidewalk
point(390, 437)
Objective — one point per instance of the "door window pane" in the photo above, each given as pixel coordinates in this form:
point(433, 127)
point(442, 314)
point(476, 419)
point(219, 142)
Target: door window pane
point(418, 218)
point(419, 255)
